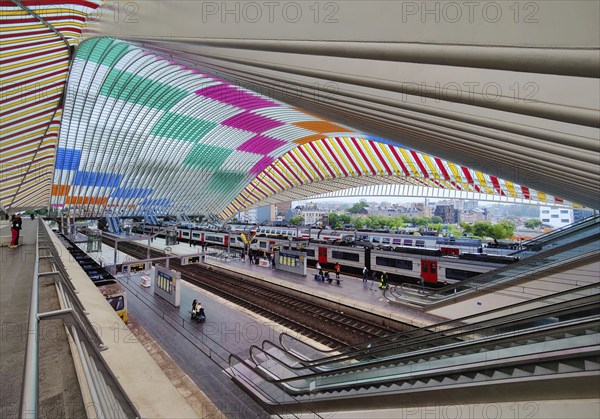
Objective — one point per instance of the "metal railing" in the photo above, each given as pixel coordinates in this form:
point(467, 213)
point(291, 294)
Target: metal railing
point(108, 397)
point(29, 401)
point(562, 255)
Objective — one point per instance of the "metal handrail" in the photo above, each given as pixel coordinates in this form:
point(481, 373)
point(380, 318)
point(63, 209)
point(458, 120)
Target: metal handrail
point(586, 222)
point(88, 345)
point(415, 354)
point(463, 286)
point(29, 401)
point(469, 324)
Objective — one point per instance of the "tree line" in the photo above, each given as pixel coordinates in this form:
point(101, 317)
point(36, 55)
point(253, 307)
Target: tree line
point(483, 229)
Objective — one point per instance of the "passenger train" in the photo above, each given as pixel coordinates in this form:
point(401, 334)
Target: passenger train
point(436, 260)
point(387, 241)
point(404, 264)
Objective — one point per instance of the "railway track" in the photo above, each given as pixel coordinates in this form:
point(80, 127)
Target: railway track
point(328, 326)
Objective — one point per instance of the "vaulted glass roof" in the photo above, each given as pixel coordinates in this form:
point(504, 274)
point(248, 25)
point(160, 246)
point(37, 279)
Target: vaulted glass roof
point(135, 131)
point(143, 134)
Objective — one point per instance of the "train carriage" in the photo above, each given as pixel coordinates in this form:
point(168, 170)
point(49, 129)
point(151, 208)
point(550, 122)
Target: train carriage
point(435, 260)
point(216, 239)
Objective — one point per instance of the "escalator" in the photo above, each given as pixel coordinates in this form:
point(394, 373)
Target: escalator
point(566, 234)
point(570, 252)
point(556, 341)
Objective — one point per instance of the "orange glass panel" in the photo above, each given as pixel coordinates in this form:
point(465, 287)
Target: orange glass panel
point(309, 138)
point(60, 190)
point(321, 126)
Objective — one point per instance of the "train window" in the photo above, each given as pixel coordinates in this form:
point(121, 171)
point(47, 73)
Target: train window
point(420, 243)
point(310, 252)
point(394, 263)
point(196, 235)
point(117, 303)
point(407, 242)
point(335, 254)
point(262, 245)
point(424, 268)
point(459, 274)
point(397, 241)
point(385, 240)
point(376, 239)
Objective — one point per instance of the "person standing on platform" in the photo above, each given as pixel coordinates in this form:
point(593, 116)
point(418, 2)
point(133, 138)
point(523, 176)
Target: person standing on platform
point(14, 231)
point(373, 278)
point(384, 279)
point(338, 268)
point(365, 274)
point(17, 224)
point(273, 262)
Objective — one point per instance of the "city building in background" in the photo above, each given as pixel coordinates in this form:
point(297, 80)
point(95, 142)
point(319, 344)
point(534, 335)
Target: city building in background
point(449, 214)
point(556, 217)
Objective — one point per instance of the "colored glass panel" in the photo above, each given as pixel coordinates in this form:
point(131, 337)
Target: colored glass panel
point(145, 92)
point(97, 179)
point(102, 50)
point(181, 127)
point(252, 122)
point(67, 158)
point(261, 144)
point(226, 181)
point(207, 156)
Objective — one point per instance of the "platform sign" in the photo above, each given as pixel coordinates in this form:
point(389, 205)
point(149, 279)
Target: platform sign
point(190, 260)
point(137, 267)
point(168, 285)
point(291, 261)
point(133, 268)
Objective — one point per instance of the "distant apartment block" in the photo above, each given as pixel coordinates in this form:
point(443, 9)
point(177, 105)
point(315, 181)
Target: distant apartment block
point(556, 217)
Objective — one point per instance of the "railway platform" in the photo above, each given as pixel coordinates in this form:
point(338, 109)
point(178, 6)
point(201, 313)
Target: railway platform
point(351, 292)
point(202, 349)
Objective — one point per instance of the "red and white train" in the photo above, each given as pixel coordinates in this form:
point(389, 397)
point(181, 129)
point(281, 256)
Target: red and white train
point(405, 259)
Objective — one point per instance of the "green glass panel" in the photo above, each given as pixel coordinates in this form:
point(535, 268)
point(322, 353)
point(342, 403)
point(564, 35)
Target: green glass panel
point(96, 50)
point(226, 181)
point(204, 156)
point(181, 127)
point(145, 92)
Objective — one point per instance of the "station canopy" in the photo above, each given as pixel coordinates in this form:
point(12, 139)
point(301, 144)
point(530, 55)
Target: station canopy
point(133, 132)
